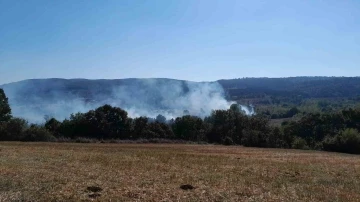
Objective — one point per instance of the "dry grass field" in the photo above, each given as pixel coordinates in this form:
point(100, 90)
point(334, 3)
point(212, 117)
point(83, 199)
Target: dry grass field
point(134, 172)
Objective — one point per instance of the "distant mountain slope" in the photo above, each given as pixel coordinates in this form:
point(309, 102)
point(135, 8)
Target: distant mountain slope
point(60, 97)
point(35, 98)
point(308, 87)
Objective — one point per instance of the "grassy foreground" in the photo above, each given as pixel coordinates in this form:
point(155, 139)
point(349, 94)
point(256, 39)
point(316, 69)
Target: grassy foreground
point(133, 172)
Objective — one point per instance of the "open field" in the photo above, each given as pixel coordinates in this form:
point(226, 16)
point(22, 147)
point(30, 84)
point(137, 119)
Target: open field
point(134, 172)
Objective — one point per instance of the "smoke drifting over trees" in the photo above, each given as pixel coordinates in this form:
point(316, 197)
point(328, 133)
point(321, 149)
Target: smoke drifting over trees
point(226, 122)
point(58, 98)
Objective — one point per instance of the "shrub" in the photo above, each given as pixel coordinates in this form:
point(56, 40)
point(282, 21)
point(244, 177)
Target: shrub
point(228, 141)
point(276, 138)
point(13, 130)
point(347, 141)
point(63, 139)
point(299, 143)
point(85, 140)
point(38, 134)
point(253, 138)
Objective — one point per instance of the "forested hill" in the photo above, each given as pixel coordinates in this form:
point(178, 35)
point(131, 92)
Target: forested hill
point(304, 87)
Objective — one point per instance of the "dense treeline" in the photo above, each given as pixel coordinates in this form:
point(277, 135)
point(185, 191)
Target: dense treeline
point(326, 131)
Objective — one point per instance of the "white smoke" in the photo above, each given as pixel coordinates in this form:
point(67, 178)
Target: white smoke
point(248, 110)
point(140, 97)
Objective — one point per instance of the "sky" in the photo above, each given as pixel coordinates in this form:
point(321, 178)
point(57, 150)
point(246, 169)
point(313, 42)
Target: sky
point(197, 40)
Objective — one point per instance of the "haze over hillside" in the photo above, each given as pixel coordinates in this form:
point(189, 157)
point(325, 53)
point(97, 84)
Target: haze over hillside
point(33, 99)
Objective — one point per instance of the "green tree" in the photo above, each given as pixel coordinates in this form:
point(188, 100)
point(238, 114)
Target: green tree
point(13, 130)
point(53, 126)
point(190, 128)
point(229, 125)
point(5, 110)
point(223, 125)
point(109, 122)
point(276, 138)
point(160, 118)
point(292, 112)
point(140, 125)
point(235, 108)
point(159, 130)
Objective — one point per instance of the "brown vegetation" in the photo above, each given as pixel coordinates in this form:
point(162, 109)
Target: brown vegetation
point(147, 172)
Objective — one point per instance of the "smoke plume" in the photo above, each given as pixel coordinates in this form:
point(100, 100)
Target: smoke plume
point(58, 98)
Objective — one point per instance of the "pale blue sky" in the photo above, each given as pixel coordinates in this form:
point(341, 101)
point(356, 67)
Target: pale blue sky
point(199, 40)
